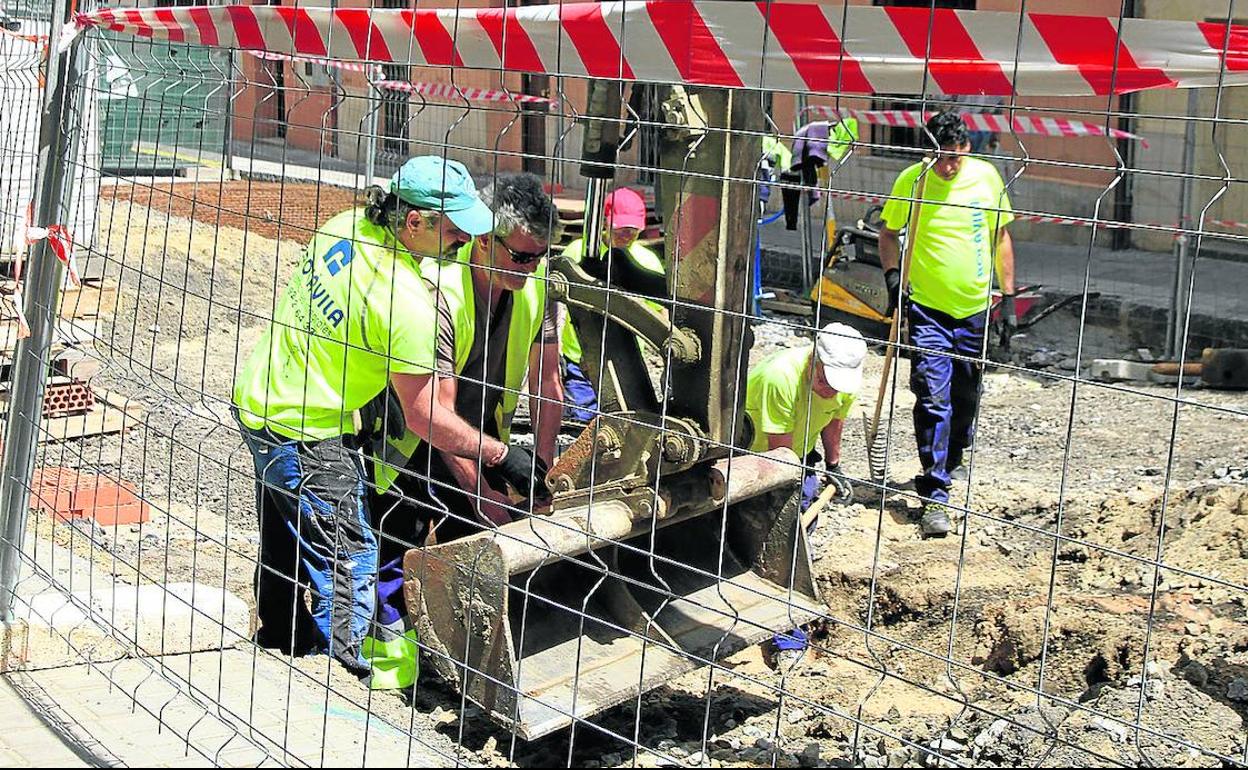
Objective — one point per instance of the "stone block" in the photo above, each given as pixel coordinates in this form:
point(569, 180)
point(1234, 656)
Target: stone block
point(1118, 370)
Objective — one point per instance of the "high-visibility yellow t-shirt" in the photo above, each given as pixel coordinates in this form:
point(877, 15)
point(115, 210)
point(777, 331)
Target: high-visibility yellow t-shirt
point(952, 262)
point(779, 401)
point(355, 312)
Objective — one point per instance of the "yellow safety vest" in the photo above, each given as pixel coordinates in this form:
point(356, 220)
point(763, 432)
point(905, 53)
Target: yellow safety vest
point(452, 280)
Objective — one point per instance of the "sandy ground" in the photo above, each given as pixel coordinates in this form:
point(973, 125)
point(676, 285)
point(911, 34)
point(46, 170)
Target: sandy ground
point(1108, 530)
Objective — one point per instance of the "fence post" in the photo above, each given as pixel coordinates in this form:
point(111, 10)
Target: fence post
point(43, 276)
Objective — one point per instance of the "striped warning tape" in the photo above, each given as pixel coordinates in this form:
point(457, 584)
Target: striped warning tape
point(36, 39)
point(1001, 124)
point(451, 91)
point(351, 66)
point(860, 49)
point(436, 90)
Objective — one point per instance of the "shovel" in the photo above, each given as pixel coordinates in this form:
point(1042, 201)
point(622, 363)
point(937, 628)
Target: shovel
point(877, 439)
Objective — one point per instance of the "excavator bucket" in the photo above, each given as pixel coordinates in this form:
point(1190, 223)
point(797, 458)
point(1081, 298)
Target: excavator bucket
point(555, 618)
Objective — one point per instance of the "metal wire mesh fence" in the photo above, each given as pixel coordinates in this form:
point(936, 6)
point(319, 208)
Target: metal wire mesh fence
point(329, 440)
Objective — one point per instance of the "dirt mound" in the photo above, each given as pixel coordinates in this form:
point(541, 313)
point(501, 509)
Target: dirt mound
point(1202, 530)
point(1178, 726)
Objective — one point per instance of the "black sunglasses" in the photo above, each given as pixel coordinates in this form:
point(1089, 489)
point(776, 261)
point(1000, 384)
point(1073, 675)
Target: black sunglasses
point(520, 257)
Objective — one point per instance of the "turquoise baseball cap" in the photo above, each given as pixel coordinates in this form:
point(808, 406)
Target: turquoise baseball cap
point(437, 184)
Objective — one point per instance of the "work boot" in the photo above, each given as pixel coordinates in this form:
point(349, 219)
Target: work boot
point(935, 520)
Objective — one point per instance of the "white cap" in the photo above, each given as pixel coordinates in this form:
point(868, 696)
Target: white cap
point(841, 349)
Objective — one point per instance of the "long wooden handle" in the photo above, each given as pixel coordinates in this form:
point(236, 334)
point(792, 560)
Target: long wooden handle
point(894, 330)
point(1172, 368)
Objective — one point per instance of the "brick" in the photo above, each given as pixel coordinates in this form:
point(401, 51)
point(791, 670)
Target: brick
point(68, 494)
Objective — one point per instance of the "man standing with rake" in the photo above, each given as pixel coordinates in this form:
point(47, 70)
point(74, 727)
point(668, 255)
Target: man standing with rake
point(959, 241)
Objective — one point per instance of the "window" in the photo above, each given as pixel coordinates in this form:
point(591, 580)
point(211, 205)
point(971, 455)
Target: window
point(900, 140)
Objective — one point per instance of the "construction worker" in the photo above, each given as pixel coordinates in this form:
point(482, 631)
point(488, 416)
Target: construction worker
point(494, 328)
point(775, 160)
point(639, 269)
point(797, 394)
point(961, 242)
point(355, 317)
point(816, 146)
point(792, 396)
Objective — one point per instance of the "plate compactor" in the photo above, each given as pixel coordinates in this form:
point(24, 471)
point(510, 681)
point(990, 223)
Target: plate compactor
point(667, 546)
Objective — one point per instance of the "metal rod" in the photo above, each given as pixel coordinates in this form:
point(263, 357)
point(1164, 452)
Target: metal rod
point(803, 207)
point(43, 281)
point(595, 196)
point(375, 98)
point(1178, 296)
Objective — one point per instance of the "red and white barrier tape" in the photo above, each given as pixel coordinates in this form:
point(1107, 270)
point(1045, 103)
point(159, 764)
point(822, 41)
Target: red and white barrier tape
point(1000, 124)
point(62, 245)
point(436, 90)
point(449, 91)
point(1041, 219)
point(36, 39)
point(365, 67)
point(801, 47)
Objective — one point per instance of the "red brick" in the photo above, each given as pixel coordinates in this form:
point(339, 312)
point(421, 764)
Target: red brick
point(68, 494)
point(135, 512)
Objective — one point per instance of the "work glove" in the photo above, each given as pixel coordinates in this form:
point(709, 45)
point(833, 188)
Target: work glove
point(1008, 319)
point(844, 490)
point(625, 274)
point(383, 417)
point(892, 280)
point(521, 468)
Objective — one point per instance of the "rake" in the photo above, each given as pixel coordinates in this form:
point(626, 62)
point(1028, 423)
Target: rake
point(877, 439)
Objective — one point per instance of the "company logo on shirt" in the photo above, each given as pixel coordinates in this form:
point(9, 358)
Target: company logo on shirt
point(336, 258)
point(979, 226)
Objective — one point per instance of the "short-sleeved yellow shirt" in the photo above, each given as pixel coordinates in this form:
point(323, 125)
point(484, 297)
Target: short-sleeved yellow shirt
point(951, 265)
point(779, 400)
point(355, 312)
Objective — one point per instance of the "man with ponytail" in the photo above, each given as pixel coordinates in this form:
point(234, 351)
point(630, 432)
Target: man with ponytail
point(355, 317)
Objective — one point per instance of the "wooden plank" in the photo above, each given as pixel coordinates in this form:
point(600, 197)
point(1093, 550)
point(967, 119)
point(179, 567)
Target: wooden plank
point(95, 298)
point(67, 332)
point(113, 413)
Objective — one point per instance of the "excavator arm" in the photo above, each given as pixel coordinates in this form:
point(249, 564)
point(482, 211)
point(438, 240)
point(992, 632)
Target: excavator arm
point(668, 546)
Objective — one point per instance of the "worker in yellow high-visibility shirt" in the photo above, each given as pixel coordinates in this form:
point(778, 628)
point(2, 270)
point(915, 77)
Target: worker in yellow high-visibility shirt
point(355, 319)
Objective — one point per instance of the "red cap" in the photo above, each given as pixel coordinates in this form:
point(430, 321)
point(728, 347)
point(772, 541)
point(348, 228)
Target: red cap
point(624, 208)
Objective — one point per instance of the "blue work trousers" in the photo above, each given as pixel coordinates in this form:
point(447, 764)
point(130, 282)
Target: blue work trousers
point(580, 400)
point(946, 391)
point(317, 547)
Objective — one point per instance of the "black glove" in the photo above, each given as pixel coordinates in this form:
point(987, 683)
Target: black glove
point(844, 490)
point(383, 416)
point(1008, 319)
point(629, 276)
point(521, 468)
point(892, 280)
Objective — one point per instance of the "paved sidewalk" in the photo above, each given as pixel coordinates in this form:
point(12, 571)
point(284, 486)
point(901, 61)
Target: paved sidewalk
point(201, 710)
